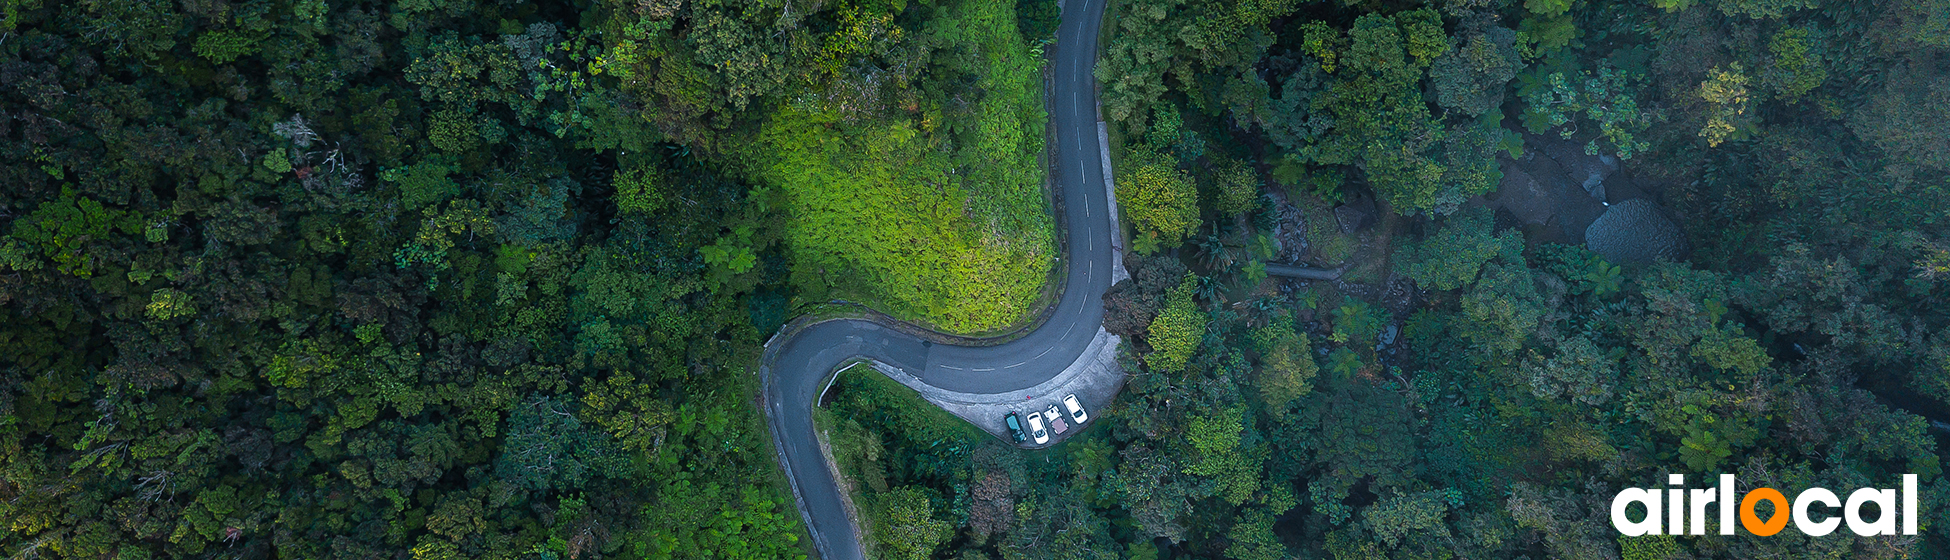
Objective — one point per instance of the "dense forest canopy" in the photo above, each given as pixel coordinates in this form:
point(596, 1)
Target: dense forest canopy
point(440, 279)
point(445, 279)
point(1747, 276)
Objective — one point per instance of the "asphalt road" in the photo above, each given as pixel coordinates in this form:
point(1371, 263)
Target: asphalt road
point(798, 368)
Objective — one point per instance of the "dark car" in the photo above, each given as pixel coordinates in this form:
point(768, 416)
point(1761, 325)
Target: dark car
point(1015, 427)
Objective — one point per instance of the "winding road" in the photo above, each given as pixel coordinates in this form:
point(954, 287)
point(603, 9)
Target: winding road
point(797, 368)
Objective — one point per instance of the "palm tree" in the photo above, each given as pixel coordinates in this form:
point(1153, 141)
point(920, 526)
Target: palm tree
point(1210, 290)
point(1213, 253)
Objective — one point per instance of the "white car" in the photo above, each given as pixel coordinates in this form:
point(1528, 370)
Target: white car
point(1076, 408)
point(1036, 431)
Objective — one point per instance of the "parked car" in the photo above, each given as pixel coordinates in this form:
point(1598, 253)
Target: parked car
point(1055, 420)
point(1076, 408)
point(1036, 430)
point(1015, 427)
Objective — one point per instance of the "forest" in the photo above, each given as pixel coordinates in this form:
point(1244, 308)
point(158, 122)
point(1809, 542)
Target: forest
point(444, 279)
point(1581, 246)
point(441, 279)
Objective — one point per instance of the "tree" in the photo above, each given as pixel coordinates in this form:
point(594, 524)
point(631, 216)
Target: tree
point(547, 448)
point(1580, 371)
point(639, 190)
point(1148, 486)
point(1237, 185)
point(1470, 77)
point(1132, 304)
point(1176, 333)
point(911, 532)
point(1725, 92)
point(1287, 367)
point(1502, 309)
point(1218, 456)
point(1396, 518)
point(1375, 119)
point(1608, 99)
point(1158, 200)
point(1253, 539)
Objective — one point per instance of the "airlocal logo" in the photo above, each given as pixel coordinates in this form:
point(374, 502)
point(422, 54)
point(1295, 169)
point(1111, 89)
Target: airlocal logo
point(1679, 517)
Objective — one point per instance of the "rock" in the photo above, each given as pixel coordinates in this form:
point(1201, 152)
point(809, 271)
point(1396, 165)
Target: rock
point(1350, 218)
point(1594, 185)
point(1635, 231)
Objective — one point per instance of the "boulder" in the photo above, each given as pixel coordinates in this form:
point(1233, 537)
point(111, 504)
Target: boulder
point(1635, 231)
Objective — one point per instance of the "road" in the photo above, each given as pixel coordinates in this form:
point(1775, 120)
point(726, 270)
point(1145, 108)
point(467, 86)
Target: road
point(798, 368)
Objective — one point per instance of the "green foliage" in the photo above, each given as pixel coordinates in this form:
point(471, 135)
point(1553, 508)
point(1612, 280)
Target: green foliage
point(1502, 308)
point(943, 225)
point(1395, 518)
point(1470, 78)
point(1608, 99)
point(1176, 333)
point(1159, 201)
point(223, 47)
point(1323, 183)
point(168, 303)
point(1287, 367)
point(1357, 322)
point(1579, 371)
point(1725, 92)
point(1797, 69)
point(639, 190)
point(909, 530)
point(425, 182)
point(1218, 456)
point(1375, 118)
point(1453, 255)
point(453, 131)
point(65, 229)
point(277, 161)
point(1037, 20)
point(548, 448)
point(1252, 538)
point(1650, 547)
point(1547, 35)
point(1547, 7)
point(1237, 185)
point(1344, 363)
point(732, 252)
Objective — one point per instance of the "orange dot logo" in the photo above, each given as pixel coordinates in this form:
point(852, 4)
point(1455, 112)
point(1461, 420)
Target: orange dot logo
point(1774, 523)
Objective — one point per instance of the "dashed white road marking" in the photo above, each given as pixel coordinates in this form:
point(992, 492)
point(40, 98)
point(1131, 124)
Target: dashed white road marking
point(944, 366)
point(984, 369)
point(1017, 364)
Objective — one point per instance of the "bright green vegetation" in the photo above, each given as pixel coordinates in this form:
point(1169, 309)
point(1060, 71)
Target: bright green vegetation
point(1159, 200)
point(1518, 382)
point(931, 206)
point(1175, 333)
point(441, 279)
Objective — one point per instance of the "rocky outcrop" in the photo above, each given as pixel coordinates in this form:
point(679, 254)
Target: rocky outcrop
point(1635, 231)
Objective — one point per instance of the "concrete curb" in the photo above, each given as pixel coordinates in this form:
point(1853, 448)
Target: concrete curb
point(1094, 377)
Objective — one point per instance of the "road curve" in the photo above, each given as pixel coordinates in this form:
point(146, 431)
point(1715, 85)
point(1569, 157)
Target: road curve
point(797, 368)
